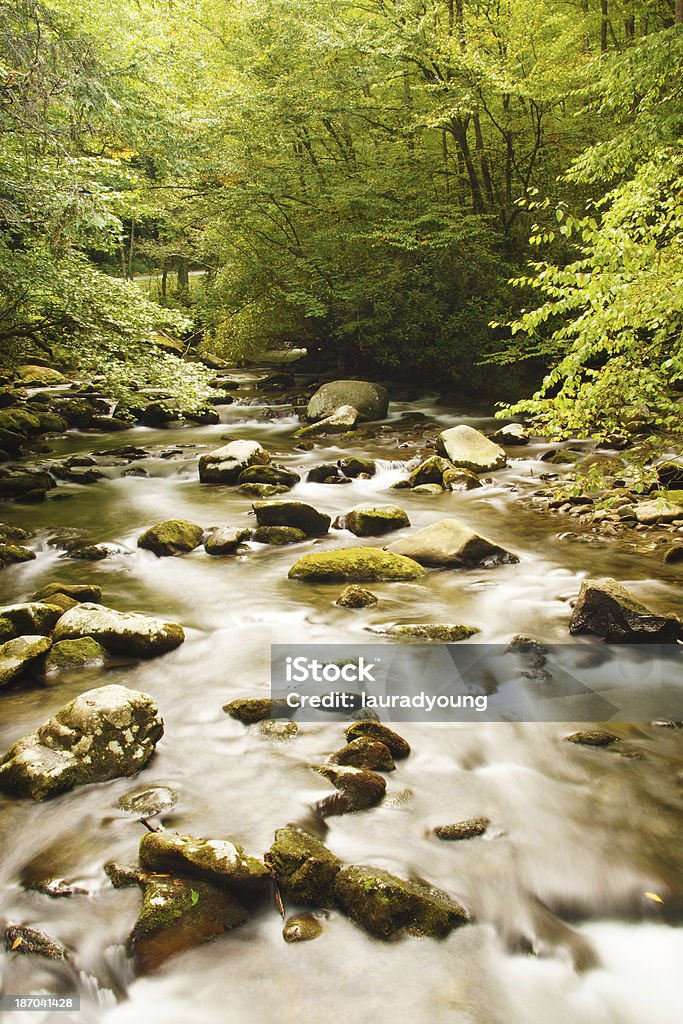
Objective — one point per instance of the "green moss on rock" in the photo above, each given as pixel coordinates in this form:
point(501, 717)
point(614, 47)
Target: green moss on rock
point(249, 710)
point(72, 654)
point(172, 537)
point(304, 867)
point(278, 535)
point(375, 520)
point(382, 734)
point(216, 860)
point(361, 564)
point(462, 829)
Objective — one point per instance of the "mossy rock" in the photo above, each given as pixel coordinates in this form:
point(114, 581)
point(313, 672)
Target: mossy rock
point(431, 471)
point(460, 480)
point(125, 633)
point(72, 654)
point(216, 860)
point(19, 421)
point(354, 596)
point(375, 520)
point(10, 533)
point(673, 555)
point(361, 564)
point(249, 710)
point(20, 656)
point(462, 829)
point(25, 941)
point(297, 514)
point(178, 914)
point(304, 867)
point(382, 734)
point(78, 591)
point(593, 738)
point(385, 905)
point(276, 475)
point(14, 554)
point(262, 490)
point(7, 630)
point(444, 632)
point(224, 541)
point(24, 485)
point(278, 535)
point(29, 375)
point(365, 753)
point(433, 489)
point(32, 616)
point(172, 537)
point(301, 928)
point(355, 467)
point(326, 473)
point(226, 464)
point(357, 788)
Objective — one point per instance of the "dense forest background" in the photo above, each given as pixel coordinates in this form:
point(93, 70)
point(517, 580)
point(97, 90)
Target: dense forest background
point(482, 194)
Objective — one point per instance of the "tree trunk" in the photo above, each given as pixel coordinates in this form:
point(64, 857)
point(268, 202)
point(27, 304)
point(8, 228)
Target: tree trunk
point(183, 276)
point(603, 26)
point(678, 12)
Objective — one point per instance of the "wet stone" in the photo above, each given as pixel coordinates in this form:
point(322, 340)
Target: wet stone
point(216, 860)
point(593, 738)
point(172, 537)
point(278, 729)
point(301, 928)
point(365, 753)
point(354, 596)
point(357, 788)
point(146, 801)
point(225, 541)
point(26, 941)
point(304, 867)
point(462, 829)
point(377, 731)
point(278, 535)
point(249, 710)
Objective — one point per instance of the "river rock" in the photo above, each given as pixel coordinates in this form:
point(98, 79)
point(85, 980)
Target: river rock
point(106, 733)
point(385, 905)
point(224, 541)
point(460, 480)
point(431, 471)
point(669, 472)
point(326, 473)
point(470, 449)
point(32, 617)
point(355, 467)
point(354, 596)
point(658, 510)
point(355, 564)
point(673, 555)
point(342, 419)
point(370, 400)
point(399, 747)
point(147, 801)
point(357, 788)
point(172, 537)
point(225, 465)
point(27, 941)
point(262, 490)
point(374, 520)
point(24, 486)
point(462, 829)
point(178, 914)
point(278, 729)
point(304, 867)
point(428, 489)
point(292, 513)
point(450, 543)
point(30, 376)
point(301, 928)
point(215, 860)
point(444, 632)
point(13, 554)
point(19, 656)
point(606, 609)
point(275, 475)
point(72, 654)
point(365, 753)
point(77, 591)
point(592, 738)
point(511, 435)
point(278, 535)
point(126, 633)
point(249, 710)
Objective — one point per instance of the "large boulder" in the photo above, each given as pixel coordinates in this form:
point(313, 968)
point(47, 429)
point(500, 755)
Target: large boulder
point(357, 565)
point(374, 520)
point(345, 418)
point(126, 633)
point(172, 537)
point(225, 541)
point(371, 401)
point(13, 554)
point(385, 905)
point(24, 485)
point(32, 617)
point(274, 475)
point(304, 867)
point(74, 654)
point(431, 471)
point(216, 860)
point(292, 513)
point(19, 656)
point(470, 449)
point(657, 510)
point(450, 543)
point(77, 591)
point(31, 376)
point(104, 734)
point(606, 609)
point(511, 435)
point(225, 465)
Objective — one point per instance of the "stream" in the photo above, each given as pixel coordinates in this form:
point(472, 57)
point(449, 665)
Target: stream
point(578, 836)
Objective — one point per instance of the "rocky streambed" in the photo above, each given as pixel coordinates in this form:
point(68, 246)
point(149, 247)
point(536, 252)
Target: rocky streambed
point(517, 874)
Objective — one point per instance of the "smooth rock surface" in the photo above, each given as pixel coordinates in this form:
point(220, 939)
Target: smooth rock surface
point(470, 449)
point(127, 633)
point(362, 564)
point(450, 543)
point(370, 400)
point(606, 609)
point(226, 464)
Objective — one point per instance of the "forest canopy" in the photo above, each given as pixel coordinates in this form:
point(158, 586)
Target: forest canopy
point(481, 194)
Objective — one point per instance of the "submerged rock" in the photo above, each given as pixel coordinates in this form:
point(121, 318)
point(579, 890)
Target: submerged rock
point(178, 914)
point(126, 633)
point(365, 753)
point(262, 490)
point(278, 535)
point(172, 537)
point(249, 710)
point(72, 654)
point(146, 801)
point(606, 609)
point(24, 486)
point(370, 400)
point(358, 789)
point(304, 867)
point(354, 596)
point(224, 541)
point(106, 733)
point(301, 928)
point(374, 520)
point(592, 738)
point(385, 905)
point(470, 449)
point(445, 632)
point(19, 656)
point(77, 591)
point(462, 829)
point(399, 747)
point(27, 941)
point(450, 543)
point(362, 564)
point(215, 860)
point(292, 513)
point(673, 555)
point(226, 464)
point(428, 489)
point(279, 729)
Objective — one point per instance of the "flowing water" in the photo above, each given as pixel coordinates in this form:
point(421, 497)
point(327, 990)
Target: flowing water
point(578, 836)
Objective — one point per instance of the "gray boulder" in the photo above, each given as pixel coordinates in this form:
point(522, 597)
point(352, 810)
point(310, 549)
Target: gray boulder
point(606, 609)
point(450, 543)
point(292, 513)
point(470, 449)
point(511, 435)
point(106, 733)
point(343, 419)
point(657, 510)
point(32, 617)
point(370, 400)
point(224, 541)
point(225, 465)
point(431, 471)
point(126, 633)
point(374, 520)
point(19, 656)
